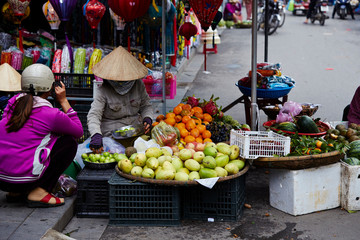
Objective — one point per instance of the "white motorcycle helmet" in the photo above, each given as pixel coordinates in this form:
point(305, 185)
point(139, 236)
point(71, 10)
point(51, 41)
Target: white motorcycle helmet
point(39, 76)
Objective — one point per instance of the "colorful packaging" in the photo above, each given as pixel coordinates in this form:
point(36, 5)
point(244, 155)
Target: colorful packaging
point(80, 58)
point(95, 58)
point(16, 60)
point(56, 65)
point(6, 57)
point(65, 60)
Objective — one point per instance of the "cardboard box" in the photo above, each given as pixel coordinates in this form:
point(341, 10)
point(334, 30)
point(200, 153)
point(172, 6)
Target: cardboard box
point(305, 191)
point(350, 187)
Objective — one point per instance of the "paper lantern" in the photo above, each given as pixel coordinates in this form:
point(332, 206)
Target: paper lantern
point(119, 22)
point(51, 16)
point(188, 30)
point(94, 11)
point(19, 6)
point(9, 15)
point(63, 8)
point(129, 9)
point(205, 11)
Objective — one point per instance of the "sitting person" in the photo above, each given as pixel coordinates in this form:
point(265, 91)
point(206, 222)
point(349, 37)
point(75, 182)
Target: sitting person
point(353, 116)
point(232, 11)
point(122, 99)
point(38, 141)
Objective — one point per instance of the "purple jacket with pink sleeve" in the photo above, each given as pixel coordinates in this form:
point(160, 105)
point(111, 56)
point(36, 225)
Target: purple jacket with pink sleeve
point(25, 154)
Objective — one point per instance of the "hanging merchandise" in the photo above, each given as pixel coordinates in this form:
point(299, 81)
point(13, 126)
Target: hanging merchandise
point(19, 8)
point(27, 59)
point(6, 57)
point(16, 59)
point(170, 15)
point(188, 30)
point(119, 21)
point(79, 63)
point(56, 65)
point(9, 15)
point(205, 11)
point(51, 16)
point(64, 8)
point(94, 11)
point(95, 58)
point(129, 10)
point(65, 60)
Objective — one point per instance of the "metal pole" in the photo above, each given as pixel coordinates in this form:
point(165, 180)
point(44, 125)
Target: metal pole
point(163, 49)
point(266, 30)
point(253, 65)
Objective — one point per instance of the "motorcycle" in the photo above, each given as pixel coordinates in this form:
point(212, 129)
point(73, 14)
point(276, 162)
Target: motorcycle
point(318, 13)
point(281, 9)
point(273, 15)
point(342, 8)
point(300, 6)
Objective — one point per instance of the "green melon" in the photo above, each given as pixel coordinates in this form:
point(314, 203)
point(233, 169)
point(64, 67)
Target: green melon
point(352, 161)
point(354, 149)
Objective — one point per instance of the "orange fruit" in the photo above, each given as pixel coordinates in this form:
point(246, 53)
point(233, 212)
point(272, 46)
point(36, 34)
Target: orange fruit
point(199, 115)
point(171, 121)
point(170, 115)
point(201, 128)
point(155, 123)
point(319, 143)
point(178, 118)
point(186, 107)
point(207, 117)
point(180, 125)
point(197, 121)
point(189, 139)
point(185, 119)
point(195, 132)
point(206, 134)
point(160, 117)
point(181, 104)
point(185, 112)
point(177, 109)
point(199, 139)
point(184, 132)
point(207, 140)
point(205, 122)
point(192, 112)
point(197, 109)
point(190, 125)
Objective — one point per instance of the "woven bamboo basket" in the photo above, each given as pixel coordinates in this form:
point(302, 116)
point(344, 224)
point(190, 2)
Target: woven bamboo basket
point(299, 162)
point(179, 183)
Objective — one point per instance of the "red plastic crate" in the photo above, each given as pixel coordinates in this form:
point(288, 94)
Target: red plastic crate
point(154, 88)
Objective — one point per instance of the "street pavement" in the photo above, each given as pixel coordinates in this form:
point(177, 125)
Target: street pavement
point(323, 60)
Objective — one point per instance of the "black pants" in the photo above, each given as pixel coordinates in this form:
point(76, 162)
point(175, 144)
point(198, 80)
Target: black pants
point(312, 6)
point(62, 155)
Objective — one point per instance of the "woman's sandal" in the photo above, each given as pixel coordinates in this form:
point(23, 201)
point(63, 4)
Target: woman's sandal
point(44, 202)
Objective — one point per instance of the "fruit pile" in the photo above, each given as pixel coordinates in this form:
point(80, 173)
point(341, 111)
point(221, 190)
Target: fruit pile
point(195, 161)
point(104, 157)
point(190, 121)
point(343, 133)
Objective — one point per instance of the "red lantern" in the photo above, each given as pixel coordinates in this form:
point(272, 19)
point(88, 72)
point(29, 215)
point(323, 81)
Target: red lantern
point(94, 11)
point(19, 6)
point(205, 11)
point(188, 30)
point(129, 9)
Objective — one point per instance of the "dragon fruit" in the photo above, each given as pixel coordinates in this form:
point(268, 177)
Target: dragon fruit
point(210, 107)
point(192, 101)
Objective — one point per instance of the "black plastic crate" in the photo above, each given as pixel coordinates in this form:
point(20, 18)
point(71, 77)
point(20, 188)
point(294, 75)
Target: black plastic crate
point(77, 85)
point(224, 202)
point(93, 193)
point(82, 111)
point(136, 203)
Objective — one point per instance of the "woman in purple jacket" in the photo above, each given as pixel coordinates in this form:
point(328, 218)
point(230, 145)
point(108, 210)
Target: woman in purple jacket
point(38, 141)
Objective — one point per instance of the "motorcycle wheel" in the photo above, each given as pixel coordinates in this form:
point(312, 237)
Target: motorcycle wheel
point(273, 25)
point(322, 20)
point(282, 15)
point(312, 20)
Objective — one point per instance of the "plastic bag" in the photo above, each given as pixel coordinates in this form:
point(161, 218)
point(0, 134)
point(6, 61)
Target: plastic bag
point(109, 144)
point(141, 145)
point(288, 111)
point(66, 186)
point(164, 134)
point(290, 6)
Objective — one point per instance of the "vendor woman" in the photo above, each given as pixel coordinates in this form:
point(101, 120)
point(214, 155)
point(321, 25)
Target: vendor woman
point(121, 100)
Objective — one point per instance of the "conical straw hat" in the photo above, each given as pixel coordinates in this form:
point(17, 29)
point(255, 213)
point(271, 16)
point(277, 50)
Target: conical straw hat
point(10, 79)
point(120, 65)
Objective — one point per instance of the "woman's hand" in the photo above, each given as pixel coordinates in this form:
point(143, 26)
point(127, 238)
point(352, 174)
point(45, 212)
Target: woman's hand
point(61, 96)
point(146, 127)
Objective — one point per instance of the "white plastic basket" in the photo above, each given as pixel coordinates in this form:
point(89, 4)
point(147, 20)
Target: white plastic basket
point(255, 144)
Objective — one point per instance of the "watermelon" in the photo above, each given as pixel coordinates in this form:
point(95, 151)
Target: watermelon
point(287, 126)
point(354, 149)
point(352, 161)
point(307, 125)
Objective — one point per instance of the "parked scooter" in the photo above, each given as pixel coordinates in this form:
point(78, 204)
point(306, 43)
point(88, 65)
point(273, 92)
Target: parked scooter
point(273, 15)
point(318, 13)
point(301, 7)
point(342, 9)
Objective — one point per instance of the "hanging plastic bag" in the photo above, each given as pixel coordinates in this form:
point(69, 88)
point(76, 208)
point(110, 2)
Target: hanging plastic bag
point(290, 6)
